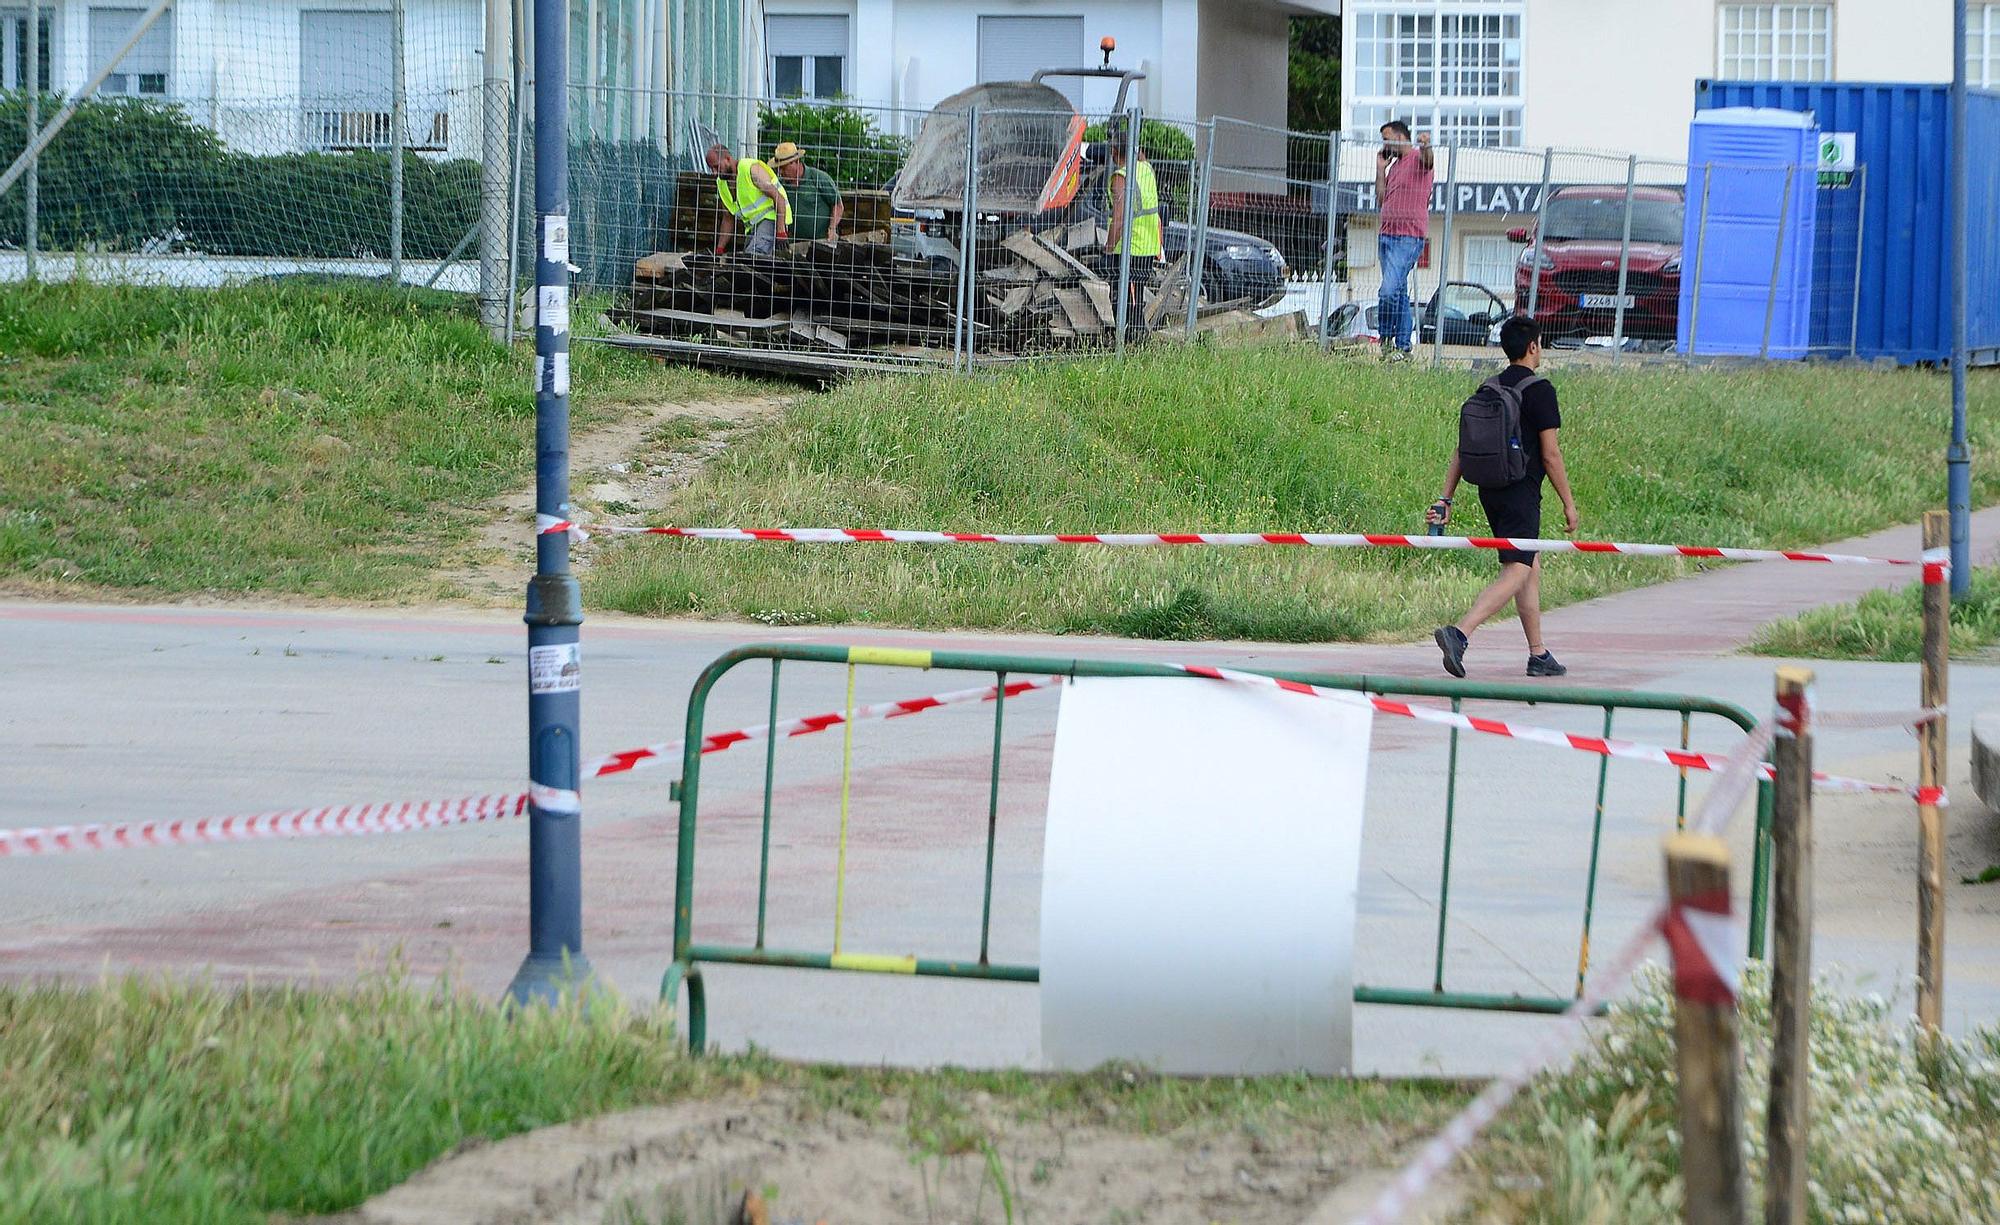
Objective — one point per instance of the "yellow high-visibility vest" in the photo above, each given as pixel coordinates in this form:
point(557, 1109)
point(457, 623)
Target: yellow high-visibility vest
point(1144, 224)
point(748, 202)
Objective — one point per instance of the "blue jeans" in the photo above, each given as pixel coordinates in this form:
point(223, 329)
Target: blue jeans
point(1397, 254)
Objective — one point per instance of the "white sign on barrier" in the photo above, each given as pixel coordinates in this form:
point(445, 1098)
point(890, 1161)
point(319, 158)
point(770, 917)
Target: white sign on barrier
point(1198, 878)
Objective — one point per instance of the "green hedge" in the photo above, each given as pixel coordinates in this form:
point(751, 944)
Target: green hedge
point(116, 176)
point(1158, 141)
point(328, 205)
point(842, 141)
point(127, 172)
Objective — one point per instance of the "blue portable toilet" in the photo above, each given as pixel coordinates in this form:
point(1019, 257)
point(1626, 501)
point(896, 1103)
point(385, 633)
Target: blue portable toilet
point(1752, 179)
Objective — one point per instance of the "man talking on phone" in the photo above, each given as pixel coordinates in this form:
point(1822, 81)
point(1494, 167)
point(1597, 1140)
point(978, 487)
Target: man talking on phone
point(1403, 181)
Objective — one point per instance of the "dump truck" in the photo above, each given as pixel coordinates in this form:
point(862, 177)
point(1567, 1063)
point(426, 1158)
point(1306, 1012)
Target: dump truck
point(1034, 169)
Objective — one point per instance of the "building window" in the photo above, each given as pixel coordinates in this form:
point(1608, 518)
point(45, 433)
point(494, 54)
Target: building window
point(345, 79)
point(146, 67)
point(1450, 67)
point(1489, 261)
point(1982, 45)
point(1014, 48)
point(16, 46)
point(1775, 42)
point(806, 55)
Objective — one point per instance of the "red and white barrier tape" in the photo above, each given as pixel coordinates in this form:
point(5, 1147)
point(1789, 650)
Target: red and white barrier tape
point(331, 821)
point(389, 818)
point(1600, 745)
point(632, 759)
point(1937, 566)
point(394, 817)
point(1321, 540)
point(1706, 948)
point(551, 525)
point(1446, 1146)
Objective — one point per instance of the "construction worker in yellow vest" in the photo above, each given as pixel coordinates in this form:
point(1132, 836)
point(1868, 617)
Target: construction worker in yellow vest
point(750, 193)
point(1144, 227)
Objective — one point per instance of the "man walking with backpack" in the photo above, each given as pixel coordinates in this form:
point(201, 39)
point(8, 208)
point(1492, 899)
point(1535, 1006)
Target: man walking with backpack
point(1506, 445)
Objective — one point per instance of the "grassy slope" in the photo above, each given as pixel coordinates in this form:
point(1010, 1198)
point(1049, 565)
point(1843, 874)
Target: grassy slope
point(328, 440)
point(1886, 625)
point(149, 1102)
point(1270, 439)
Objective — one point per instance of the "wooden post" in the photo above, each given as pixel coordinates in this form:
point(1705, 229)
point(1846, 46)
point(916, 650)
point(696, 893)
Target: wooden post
point(1931, 772)
point(1791, 967)
point(1705, 1034)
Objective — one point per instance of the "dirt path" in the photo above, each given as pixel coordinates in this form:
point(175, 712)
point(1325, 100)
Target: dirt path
point(692, 1165)
point(618, 474)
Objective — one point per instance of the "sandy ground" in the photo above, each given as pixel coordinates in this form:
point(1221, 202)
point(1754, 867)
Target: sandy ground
point(692, 1165)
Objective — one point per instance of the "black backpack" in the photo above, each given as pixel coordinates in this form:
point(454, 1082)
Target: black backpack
point(1489, 433)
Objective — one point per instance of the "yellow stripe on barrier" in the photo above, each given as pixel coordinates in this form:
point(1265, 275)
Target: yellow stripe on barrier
point(846, 776)
point(875, 963)
point(892, 657)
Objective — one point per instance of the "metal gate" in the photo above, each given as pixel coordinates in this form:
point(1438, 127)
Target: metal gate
point(688, 956)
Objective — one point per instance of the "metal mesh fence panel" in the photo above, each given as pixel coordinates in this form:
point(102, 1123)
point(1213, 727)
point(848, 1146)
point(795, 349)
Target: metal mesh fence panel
point(388, 144)
point(317, 141)
point(1050, 267)
point(766, 228)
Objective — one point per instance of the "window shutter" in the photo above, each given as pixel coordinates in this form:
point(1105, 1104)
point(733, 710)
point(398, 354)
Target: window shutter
point(805, 35)
point(1014, 48)
point(152, 55)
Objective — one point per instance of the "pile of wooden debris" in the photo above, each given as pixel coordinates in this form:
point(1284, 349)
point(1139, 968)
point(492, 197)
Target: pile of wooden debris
point(1033, 292)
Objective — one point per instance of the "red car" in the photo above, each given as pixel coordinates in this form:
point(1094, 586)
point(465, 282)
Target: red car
point(1583, 228)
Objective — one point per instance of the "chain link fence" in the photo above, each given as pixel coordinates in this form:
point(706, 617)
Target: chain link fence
point(995, 227)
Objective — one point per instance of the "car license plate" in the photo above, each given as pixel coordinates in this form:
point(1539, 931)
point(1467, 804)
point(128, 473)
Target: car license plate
point(1608, 301)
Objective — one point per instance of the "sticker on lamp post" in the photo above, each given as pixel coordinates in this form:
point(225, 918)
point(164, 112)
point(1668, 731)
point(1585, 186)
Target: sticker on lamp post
point(555, 669)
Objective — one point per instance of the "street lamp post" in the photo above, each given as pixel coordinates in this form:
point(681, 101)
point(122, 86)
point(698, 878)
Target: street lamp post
point(1958, 460)
point(555, 960)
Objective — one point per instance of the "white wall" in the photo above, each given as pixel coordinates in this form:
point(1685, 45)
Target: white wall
point(942, 38)
point(1619, 75)
point(1615, 74)
point(1892, 40)
point(236, 64)
point(1242, 71)
point(1201, 57)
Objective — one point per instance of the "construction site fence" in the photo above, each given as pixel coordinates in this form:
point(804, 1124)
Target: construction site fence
point(1264, 231)
point(723, 931)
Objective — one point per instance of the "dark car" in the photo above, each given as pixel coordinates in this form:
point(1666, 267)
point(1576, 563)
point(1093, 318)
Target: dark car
point(1471, 312)
point(1582, 233)
point(1236, 265)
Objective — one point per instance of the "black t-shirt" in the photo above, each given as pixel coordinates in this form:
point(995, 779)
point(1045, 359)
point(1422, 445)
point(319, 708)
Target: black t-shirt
point(1538, 412)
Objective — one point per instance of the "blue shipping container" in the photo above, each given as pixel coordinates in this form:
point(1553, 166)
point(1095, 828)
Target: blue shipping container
point(1903, 137)
point(1747, 271)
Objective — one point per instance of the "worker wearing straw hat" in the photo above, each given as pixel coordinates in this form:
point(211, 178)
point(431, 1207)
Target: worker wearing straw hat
point(816, 203)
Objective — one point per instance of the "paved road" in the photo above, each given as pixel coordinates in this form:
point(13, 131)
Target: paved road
point(122, 713)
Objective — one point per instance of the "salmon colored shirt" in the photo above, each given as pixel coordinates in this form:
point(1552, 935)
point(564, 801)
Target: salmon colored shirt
point(1406, 198)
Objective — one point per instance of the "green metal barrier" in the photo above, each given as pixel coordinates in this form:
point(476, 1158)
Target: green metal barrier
point(689, 956)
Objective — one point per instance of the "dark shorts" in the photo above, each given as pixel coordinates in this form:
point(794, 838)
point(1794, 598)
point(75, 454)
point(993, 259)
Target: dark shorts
point(1514, 510)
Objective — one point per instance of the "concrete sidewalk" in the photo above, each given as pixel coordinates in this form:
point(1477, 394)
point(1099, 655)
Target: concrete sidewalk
point(124, 713)
point(1720, 611)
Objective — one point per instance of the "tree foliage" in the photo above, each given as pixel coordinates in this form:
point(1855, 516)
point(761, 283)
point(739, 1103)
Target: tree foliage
point(1314, 71)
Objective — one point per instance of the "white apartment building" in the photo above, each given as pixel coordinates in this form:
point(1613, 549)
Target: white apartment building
point(1512, 77)
point(1201, 57)
point(1619, 74)
point(277, 76)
